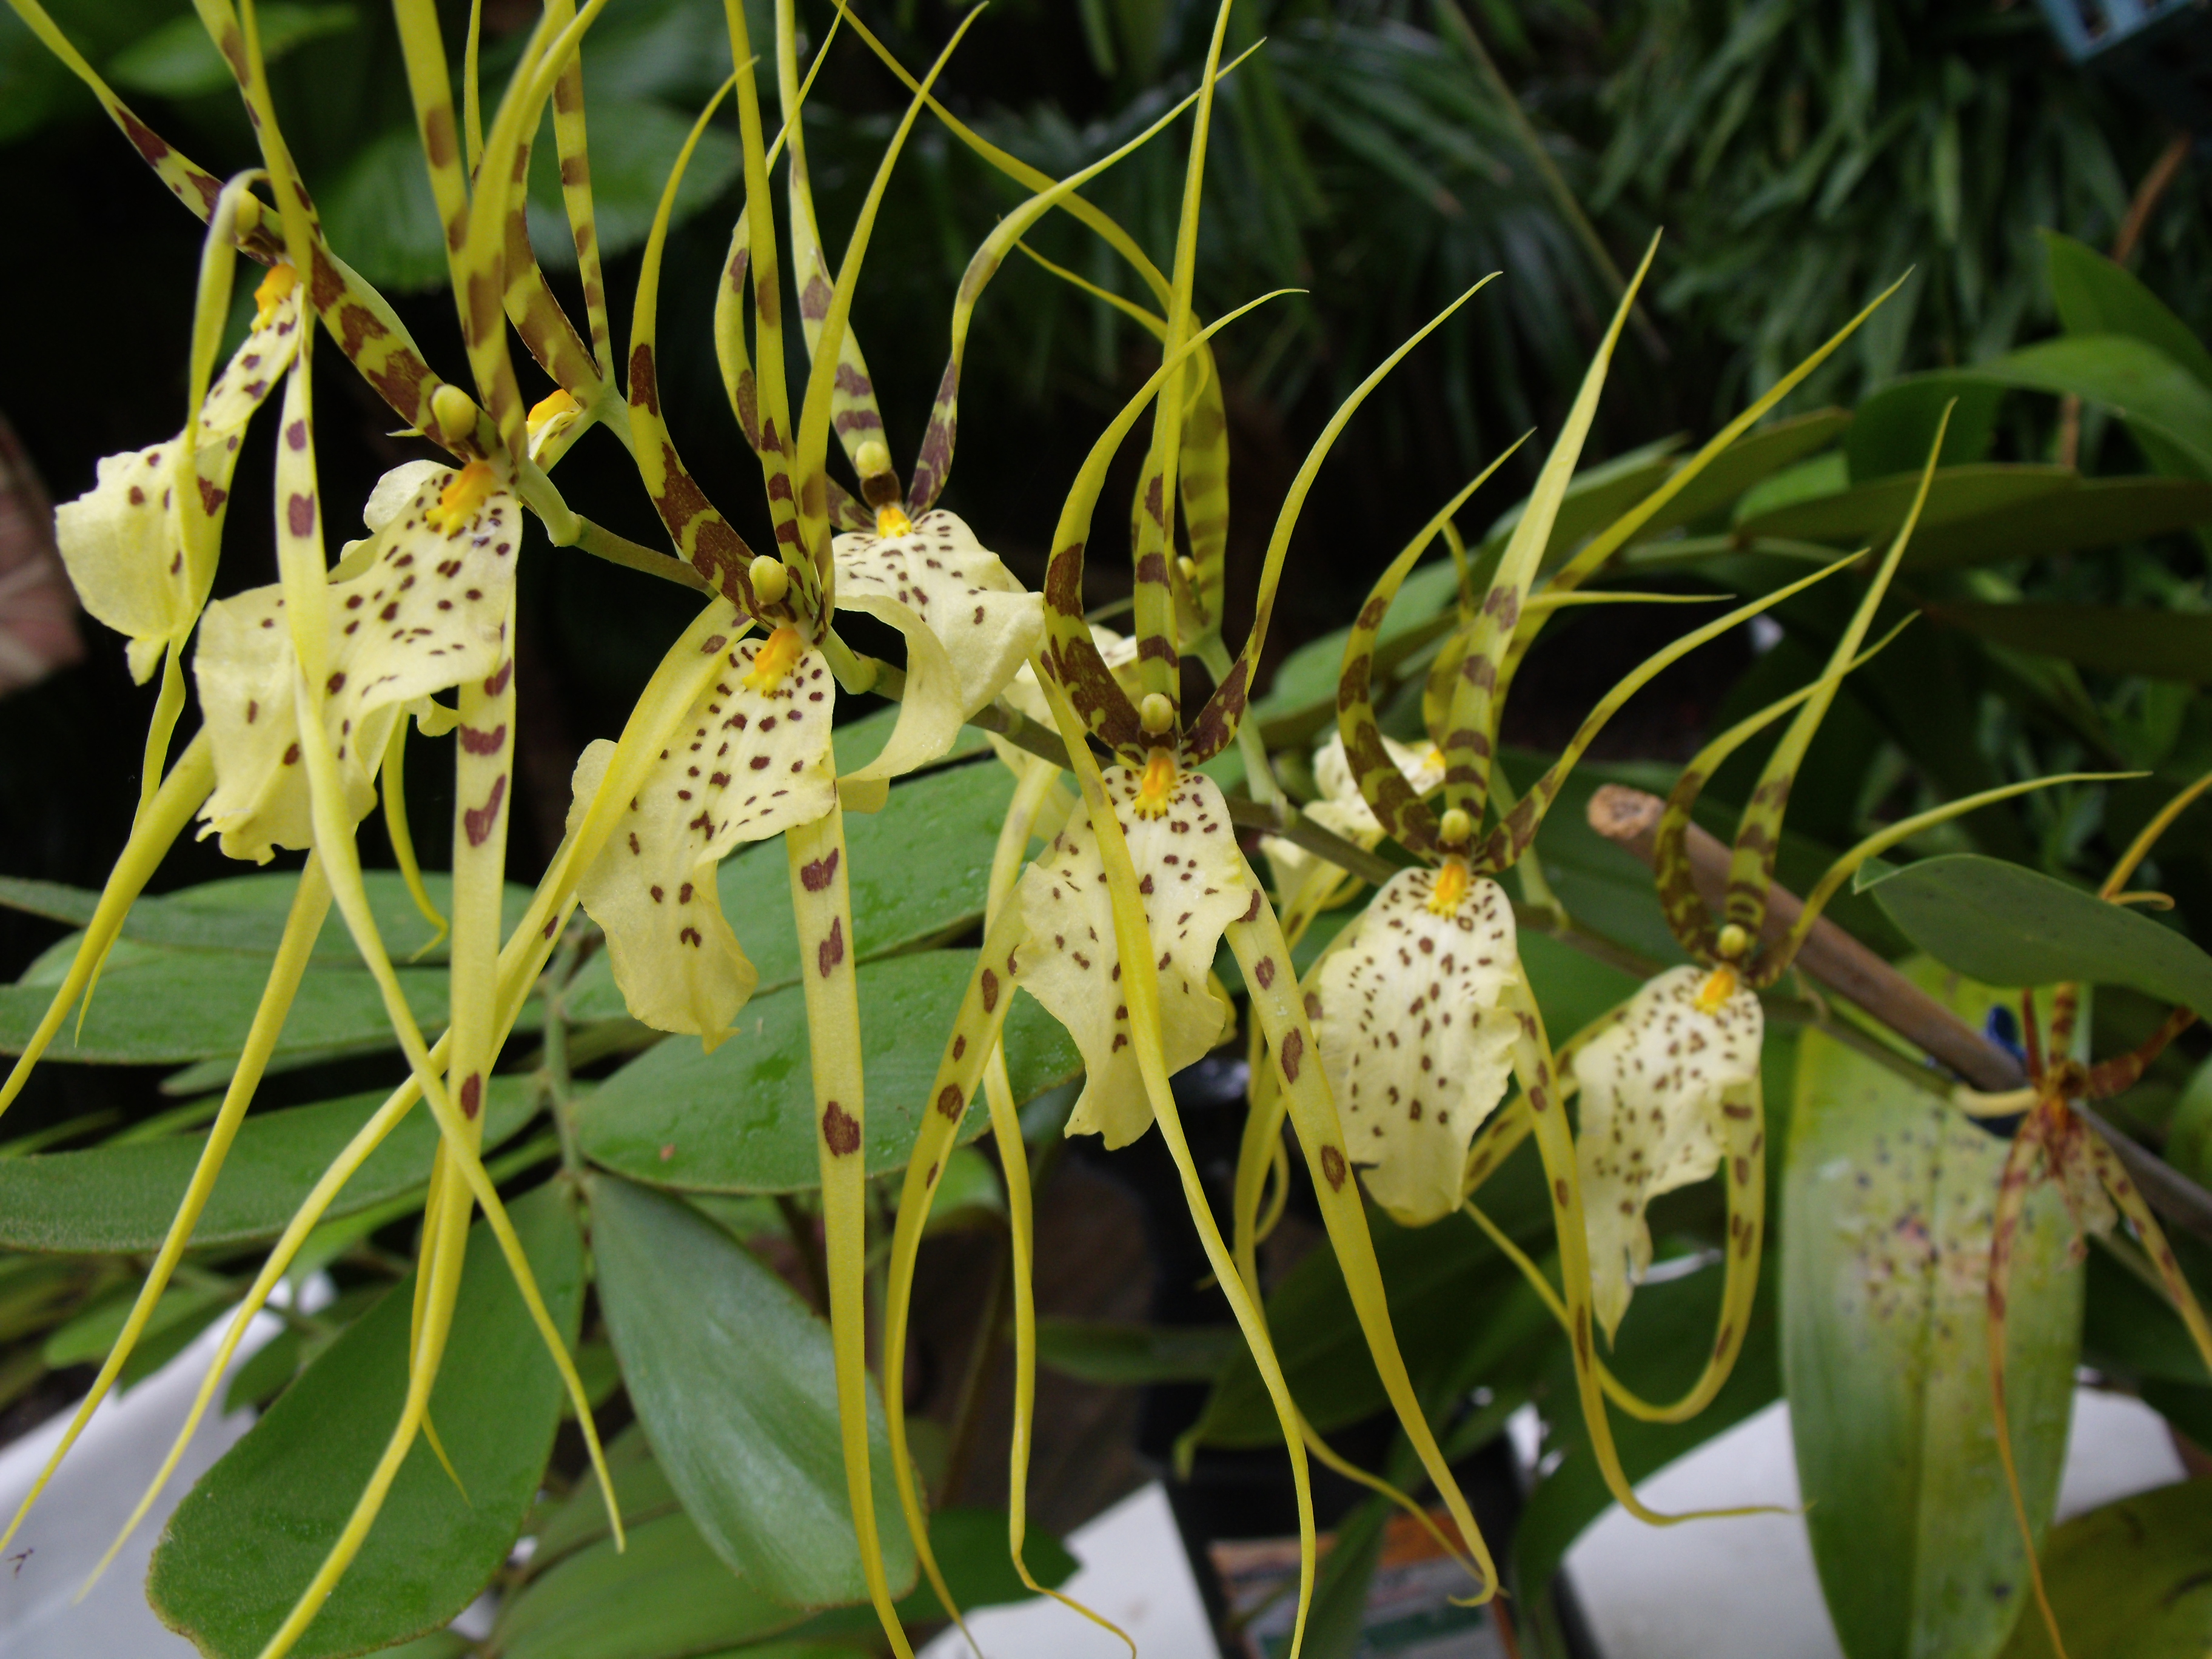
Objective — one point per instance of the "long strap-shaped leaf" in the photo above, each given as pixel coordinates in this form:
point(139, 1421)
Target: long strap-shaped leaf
point(1095, 696)
point(153, 832)
point(828, 343)
point(706, 539)
point(1388, 793)
point(1160, 655)
point(1140, 987)
point(1216, 725)
point(822, 905)
point(1517, 830)
point(684, 671)
point(1759, 833)
point(1470, 732)
point(311, 902)
point(1264, 959)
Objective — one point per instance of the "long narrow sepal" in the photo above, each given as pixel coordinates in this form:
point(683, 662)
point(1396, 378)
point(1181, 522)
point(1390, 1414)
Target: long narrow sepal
point(1140, 987)
point(1216, 724)
point(1758, 835)
point(155, 831)
point(1471, 731)
point(1264, 959)
point(1388, 793)
point(821, 901)
point(311, 902)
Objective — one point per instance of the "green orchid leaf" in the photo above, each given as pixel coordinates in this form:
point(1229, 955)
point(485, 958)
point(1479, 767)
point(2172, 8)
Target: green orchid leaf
point(731, 1375)
point(2132, 1580)
point(1749, 462)
point(668, 1595)
point(1121, 1355)
point(86, 1338)
point(642, 1491)
point(2160, 645)
point(179, 59)
point(253, 1531)
point(1868, 514)
point(1896, 426)
point(2003, 924)
point(741, 1120)
point(900, 898)
point(2096, 296)
point(381, 211)
point(970, 1547)
point(2099, 513)
point(1888, 1199)
point(1441, 1281)
point(121, 1199)
point(855, 743)
point(245, 913)
point(2130, 1330)
point(167, 1008)
point(1337, 1625)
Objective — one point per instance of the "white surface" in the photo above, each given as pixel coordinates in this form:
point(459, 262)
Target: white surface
point(90, 1496)
point(1134, 1573)
point(1745, 1588)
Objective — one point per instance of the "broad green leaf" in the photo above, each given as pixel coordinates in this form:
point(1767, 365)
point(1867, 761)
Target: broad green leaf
point(641, 1489)
point(1885, 1249)
point(668, 1595)
point(1662, 1347)
point(2100, 512)
point(1897, 425)
point(2156, 395)
point(1752, 460)
point(118, 1199)
point(2003, 924)
point(380, 211)
point(89, 1335)
point(166, 1008)
point(2132, 1580)
point(2161, 645)
point(178, 60)
point(2096, 296)
point(970, 1546)
point(1869, 512)
point(857, 742)
point(243, 1543)
point(741, 1120)
point(635, 141)
point(732, 1376)
point(919, 871)
point(1441, 1281)
point(245, 913)
point(1128, 1356)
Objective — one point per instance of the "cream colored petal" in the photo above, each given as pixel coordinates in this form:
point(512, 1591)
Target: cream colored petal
point(1195, 884)
point(124, 551)
point(988, 623)
point(1423, 767)
point(1416, 1044)
point(123, 540)
point(744, 765)
point(929, 716)
point(426, 611)
point(1292, 863)
point(397, 488)
point(1654, 1087)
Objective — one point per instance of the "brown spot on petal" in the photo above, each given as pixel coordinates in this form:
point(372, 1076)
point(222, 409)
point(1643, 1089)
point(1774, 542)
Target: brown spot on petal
point(1332, 1166)
point(471, 1094)
point(990, 984)
point(1294, 1049)
point(840, 1132)
point(949, 1101)
point(831, 950)
point(819, 875)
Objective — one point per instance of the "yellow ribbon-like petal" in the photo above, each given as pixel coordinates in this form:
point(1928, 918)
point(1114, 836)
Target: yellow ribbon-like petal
point(988, 622)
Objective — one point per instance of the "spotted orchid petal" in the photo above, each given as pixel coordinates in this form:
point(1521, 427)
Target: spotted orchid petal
point(988, 623)
point(417, 608)
point(1343, 810)
point(750, 759)
point(1195, 884)
point(1415, 1037)
point(1659, 1090)
point(123, 540)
